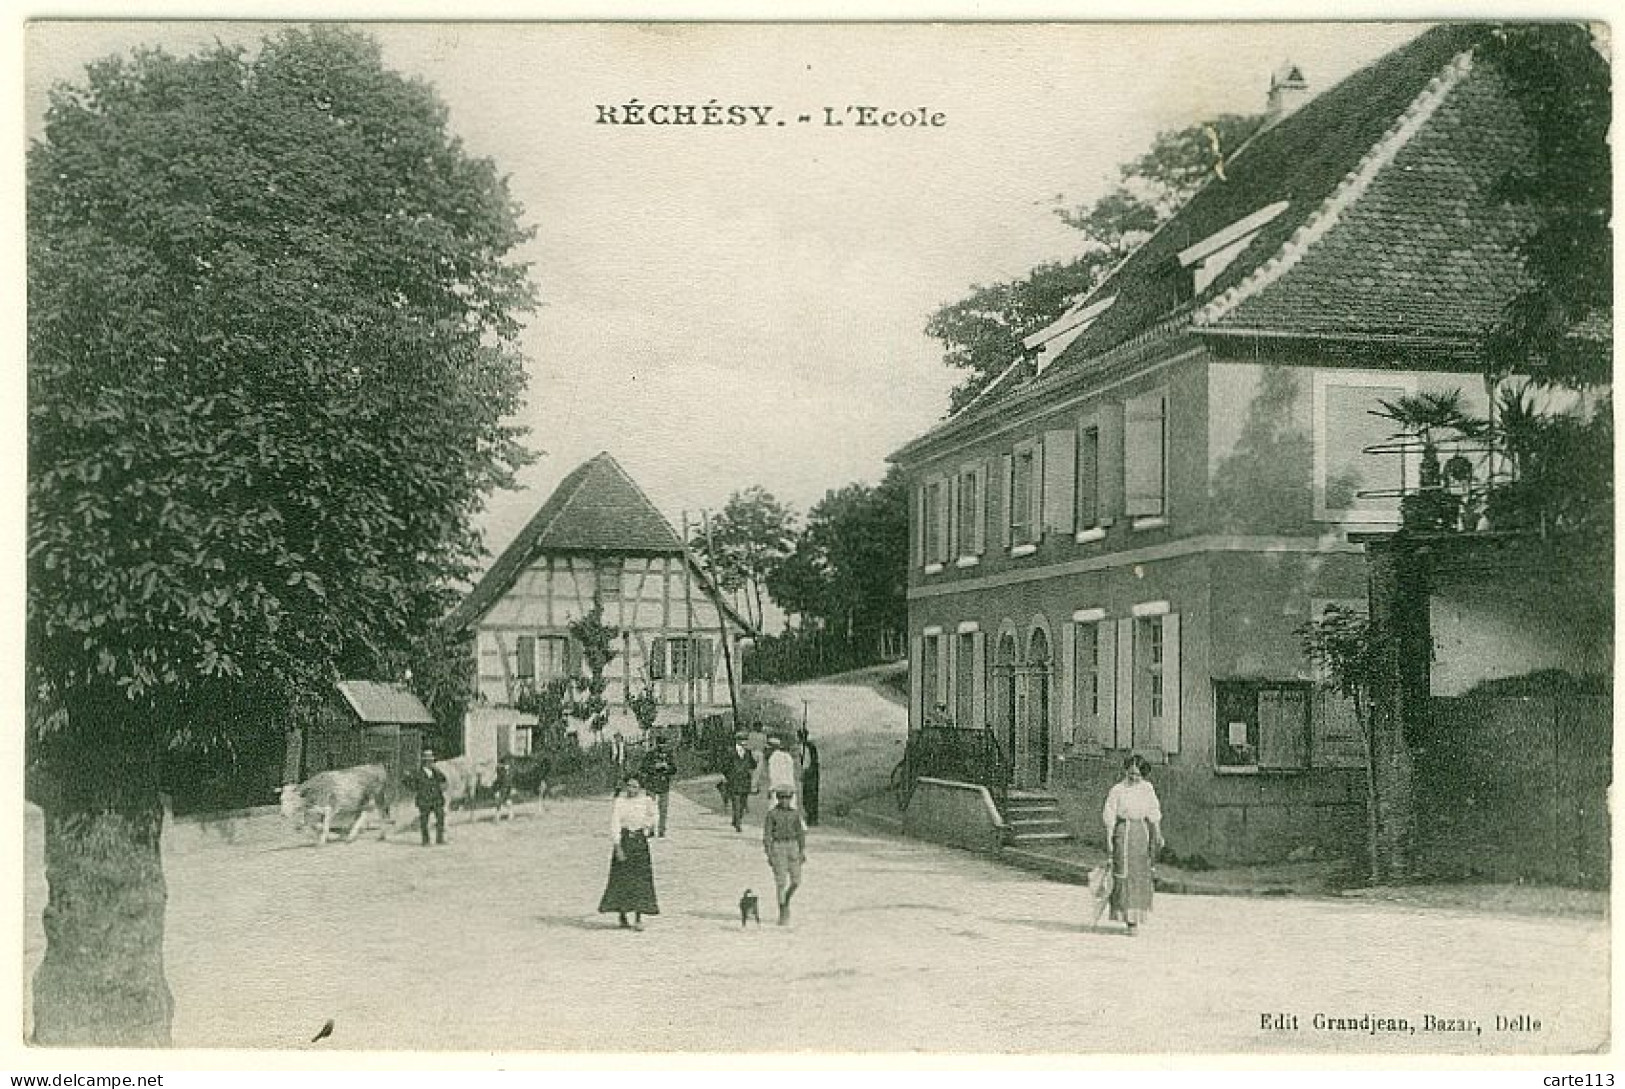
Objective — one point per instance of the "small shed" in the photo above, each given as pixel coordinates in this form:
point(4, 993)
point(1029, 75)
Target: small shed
point(370, 722)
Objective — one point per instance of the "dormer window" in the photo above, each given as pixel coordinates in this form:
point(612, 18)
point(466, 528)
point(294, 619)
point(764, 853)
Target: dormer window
point(1202, 263)
point(1054, 338)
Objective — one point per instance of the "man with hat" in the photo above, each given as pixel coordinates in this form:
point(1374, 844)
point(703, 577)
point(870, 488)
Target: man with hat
point(428, 785)
point(784, 837)
point(738, 770)
point(657, 770)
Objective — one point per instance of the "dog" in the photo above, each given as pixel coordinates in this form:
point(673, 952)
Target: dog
point(748, 909)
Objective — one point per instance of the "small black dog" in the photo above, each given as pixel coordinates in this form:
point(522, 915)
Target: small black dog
point(748, 909)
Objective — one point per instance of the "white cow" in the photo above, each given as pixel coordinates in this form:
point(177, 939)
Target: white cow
point(340, 793)
point(464, 779)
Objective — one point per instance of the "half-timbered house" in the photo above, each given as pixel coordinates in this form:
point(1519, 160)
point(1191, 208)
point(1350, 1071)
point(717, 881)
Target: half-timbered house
point(597, 538)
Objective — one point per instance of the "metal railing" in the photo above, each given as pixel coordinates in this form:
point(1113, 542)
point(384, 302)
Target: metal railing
point(965, 755)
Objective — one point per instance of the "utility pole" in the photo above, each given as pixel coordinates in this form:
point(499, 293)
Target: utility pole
point(722, 622)
point(688, 623)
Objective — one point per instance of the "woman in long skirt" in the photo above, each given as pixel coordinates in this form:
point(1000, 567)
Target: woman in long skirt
point(1133, 818)
point(631, 888)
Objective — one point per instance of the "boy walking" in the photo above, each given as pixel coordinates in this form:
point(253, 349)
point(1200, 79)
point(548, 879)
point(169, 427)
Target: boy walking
point(784, 837)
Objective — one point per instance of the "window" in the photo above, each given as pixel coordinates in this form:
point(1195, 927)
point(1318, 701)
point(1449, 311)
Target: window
point(1086, 683)
point(552, 656)
point(525, 658)
point(1087, 501)
point(965, 680)
point(1145, 448)
point(969, 522)
point(1148, 679)
point(609, 579)
point(1261, 725)
point(679, 651)
point(680, 658)
point(930, 673)
point(1022, 472)
point(1344, 428)
point(1150, 696)
point(936, 517)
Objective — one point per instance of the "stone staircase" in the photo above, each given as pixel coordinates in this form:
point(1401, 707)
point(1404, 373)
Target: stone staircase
point(1033, 817)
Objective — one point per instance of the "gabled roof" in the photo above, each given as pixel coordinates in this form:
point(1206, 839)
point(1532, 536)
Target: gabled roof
point(384, 704)
point(596, 508)
point(1397, 157)
point(1390, 228)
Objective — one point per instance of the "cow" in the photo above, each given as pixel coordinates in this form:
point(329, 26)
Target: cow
point(464, 778)
point(341, 793)
point(517, 775)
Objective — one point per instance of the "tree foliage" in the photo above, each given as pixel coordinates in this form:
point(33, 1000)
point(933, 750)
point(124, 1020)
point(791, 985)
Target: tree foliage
point(982, 333)
point(597, 642)
point(271, 348)
point(751, 535)
point(848, 571)
point(272, 343)
point(1559, 328)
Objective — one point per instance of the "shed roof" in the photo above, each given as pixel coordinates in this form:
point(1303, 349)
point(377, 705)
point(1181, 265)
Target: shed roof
point(377, 703)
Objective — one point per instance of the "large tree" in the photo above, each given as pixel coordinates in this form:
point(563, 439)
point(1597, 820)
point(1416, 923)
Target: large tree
point(982, 332)
point(753, 532)
point(272, 325)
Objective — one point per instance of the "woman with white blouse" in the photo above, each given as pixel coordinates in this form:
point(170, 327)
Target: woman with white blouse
point(1133, 818)
point(631, 888)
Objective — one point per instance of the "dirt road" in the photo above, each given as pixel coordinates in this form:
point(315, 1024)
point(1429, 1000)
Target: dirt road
point(492, 943)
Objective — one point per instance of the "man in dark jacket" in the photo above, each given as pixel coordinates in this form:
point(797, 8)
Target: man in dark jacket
point(657, 770)
point(428, 785)
point(738, 771)
point(811, 773)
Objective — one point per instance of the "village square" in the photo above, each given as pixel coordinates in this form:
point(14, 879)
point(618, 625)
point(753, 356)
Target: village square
point(458, 627)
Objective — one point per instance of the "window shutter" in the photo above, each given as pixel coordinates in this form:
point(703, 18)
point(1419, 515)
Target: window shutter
point(1144, 474)
point(978, 681)
point(1111, 463)
point(1124, 719)
point(1066, 679)
point(1035, 492)
point(525, 657)
point(1106, 679)
point(945, 510)
point(656, 662)
point(707, 657)
point(916, 671)
point(1060, 479)
point(950, 516)
point(1171, 686)
point(944, 643)
point(917, 538)
point(983, 505)
point(572, 658)
point(1283, 735)
point(1008, 494)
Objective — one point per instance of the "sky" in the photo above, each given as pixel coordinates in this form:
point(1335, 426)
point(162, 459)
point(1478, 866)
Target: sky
point(731, 306)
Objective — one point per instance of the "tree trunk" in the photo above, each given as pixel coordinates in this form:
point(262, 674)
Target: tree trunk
point(101, 982)
point(1400, 632)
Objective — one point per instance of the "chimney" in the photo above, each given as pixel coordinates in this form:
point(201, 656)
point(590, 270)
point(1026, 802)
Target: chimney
point(1288, 91)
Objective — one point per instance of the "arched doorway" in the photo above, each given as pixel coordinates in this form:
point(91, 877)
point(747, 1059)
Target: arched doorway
point(1033, 768)
point(1004, 693)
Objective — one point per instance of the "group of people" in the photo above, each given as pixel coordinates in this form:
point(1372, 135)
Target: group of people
point(640, 808)
point(1132, 816)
